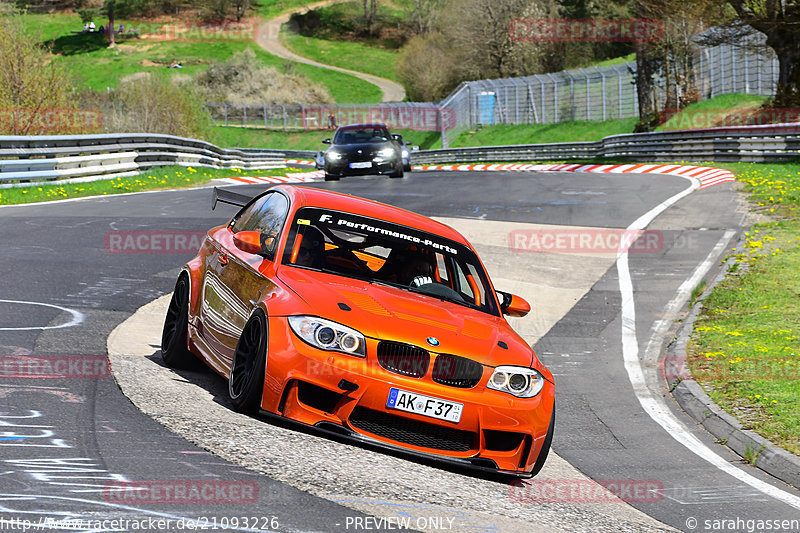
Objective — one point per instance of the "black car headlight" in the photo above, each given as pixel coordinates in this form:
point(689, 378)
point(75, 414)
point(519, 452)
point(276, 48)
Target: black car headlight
point(333, 156)
point(328, 335)
point(520, 381)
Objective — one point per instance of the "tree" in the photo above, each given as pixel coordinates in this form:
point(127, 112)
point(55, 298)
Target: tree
point(780, 22)
point(370, 8)
point(32, 87)
point(240, 8)
point(479, 32)
point(426, 13)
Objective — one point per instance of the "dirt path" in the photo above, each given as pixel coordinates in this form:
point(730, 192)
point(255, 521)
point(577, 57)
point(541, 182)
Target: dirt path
point(268, 39)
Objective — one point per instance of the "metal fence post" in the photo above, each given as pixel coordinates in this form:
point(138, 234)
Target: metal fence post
point(226, 113)
point(605, 96)
point(571, 95)
point(588, 95)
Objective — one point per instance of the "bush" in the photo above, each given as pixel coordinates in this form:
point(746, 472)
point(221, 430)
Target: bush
point(242, 79)
point(155, 103)
point(426, 68)
point(35, 94)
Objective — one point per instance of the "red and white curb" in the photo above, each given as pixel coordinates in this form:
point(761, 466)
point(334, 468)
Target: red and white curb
point(708, 176)
point(299, 162)
point(299, 177)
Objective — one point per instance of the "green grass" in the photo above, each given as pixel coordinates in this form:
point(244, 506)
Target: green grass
point(345, 54)
point(613, 61)
point(726, 109)
point(91, 63)
point(156, 178)
point(272, 8)
point(745, 349)
point(502, 134)
point(231, 137)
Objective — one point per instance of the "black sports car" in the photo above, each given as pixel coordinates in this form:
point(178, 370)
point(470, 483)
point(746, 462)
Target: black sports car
point(360, 149)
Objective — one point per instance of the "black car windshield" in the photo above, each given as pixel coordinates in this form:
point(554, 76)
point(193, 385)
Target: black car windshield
point(380, 252)
point(360, 135)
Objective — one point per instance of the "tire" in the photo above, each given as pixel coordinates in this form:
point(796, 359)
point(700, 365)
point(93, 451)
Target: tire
point(407, 168)
point(398, 173)
point(246, 378)
point(548, 440)
point(331, 177)
point(174, 345)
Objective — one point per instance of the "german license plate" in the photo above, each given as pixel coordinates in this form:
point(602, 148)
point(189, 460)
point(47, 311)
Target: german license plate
point(420, 404)
point(361, 164)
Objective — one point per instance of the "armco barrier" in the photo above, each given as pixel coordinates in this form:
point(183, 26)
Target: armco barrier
point(26, 159)
point(85, 157)
point(775, 142)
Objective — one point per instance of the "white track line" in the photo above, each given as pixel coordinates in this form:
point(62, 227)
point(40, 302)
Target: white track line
point(77, 316)
point(653, 404)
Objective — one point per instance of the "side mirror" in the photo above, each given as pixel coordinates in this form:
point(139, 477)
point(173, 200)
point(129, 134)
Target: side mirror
point(396, 137)
point(513, 305)
point(326, 141)
point(248, 241)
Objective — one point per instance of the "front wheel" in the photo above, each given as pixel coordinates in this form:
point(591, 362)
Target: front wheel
point(246, 378)
point(398, 173)
point(174, 346)
point(331, 177)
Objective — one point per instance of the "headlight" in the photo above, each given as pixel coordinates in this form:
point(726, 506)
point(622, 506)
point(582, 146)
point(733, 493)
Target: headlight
point(333, 156)
point(405, 153)
point(385, 152)
point(519, 381)
point(328, 335)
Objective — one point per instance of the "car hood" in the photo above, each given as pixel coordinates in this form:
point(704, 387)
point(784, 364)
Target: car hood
point(382, 312)
point(367, 148)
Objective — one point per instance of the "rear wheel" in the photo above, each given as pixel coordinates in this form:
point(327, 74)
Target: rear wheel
point(174, 346)
point(246, 379)
point(548, 440)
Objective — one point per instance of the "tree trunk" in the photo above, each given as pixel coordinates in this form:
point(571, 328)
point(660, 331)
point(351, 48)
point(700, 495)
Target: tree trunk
point(648, 115)
point(788, 90)
point(110, 28)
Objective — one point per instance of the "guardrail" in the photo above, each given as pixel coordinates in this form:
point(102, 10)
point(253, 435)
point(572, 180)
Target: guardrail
point(27, 159)
point(24, 160)
point(775, 142)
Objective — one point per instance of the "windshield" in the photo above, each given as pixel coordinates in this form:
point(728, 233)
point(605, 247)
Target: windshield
point(360, 135)
point(388, 254)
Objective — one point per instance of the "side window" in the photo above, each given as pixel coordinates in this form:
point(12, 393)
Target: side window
point(267, 215)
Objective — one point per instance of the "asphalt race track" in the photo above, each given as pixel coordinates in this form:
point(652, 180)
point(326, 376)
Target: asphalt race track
point(69, 446)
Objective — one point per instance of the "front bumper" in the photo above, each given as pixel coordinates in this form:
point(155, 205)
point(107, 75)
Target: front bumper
point(378, 166)
point(497, 432)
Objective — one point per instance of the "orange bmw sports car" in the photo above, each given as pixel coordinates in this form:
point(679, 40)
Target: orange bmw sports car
point(366, 320)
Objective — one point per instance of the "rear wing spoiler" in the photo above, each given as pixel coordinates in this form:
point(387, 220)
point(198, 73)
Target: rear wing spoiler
point(228, 197)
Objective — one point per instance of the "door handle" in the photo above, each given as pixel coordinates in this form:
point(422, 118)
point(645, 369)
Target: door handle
point(223, 259)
